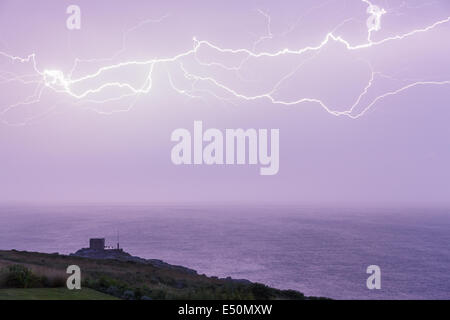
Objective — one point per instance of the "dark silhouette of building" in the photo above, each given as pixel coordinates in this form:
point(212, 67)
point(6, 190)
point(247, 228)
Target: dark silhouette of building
point(97, 244)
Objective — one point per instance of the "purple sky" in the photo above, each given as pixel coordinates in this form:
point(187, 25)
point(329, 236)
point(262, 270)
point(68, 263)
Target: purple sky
point(108, 147)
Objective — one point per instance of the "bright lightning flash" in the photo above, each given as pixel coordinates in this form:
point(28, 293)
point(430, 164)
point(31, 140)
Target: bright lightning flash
point(59, 82)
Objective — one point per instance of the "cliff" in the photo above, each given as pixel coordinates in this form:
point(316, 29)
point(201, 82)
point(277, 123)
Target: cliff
point(121, 275)
point(119, 254)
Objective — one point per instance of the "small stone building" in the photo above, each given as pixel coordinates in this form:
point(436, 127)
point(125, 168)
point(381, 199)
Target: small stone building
point(97, 243)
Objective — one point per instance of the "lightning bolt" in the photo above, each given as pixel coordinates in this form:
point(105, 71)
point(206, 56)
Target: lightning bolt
point(67, 84)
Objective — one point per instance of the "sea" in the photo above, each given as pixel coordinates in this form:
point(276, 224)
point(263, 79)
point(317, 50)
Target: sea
point(318, 251)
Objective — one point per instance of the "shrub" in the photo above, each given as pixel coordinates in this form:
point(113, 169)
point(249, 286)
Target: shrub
point(18, 276)
point(294, 295)
point(260, 291)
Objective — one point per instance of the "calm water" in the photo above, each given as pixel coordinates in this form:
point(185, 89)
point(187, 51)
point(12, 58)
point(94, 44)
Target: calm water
point(319, 252)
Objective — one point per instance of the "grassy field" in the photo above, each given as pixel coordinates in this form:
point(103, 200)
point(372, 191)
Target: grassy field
point(53, 294)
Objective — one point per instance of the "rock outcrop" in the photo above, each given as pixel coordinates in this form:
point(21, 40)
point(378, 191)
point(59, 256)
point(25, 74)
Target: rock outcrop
point(119, 254)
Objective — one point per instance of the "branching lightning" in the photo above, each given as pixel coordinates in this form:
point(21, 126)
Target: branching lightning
point(66, 84)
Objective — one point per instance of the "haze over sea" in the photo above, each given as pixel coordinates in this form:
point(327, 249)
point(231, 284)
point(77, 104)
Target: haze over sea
point(320, 252)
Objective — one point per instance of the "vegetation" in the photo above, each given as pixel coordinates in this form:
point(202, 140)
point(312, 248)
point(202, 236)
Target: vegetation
point(127, 280)
point(52, 294)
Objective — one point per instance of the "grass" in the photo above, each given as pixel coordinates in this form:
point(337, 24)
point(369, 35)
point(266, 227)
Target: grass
point(53, 294)
point(126, 280)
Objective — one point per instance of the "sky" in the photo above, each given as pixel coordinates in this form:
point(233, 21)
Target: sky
point(359, 91)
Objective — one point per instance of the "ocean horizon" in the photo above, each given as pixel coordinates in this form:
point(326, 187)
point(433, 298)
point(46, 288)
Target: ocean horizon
point(320, 252)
